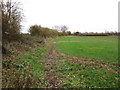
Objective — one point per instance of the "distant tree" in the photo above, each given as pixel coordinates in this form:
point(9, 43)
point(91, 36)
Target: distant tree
point(61, 28)
point(68, 32)
point(64, 28)
point(76, 33)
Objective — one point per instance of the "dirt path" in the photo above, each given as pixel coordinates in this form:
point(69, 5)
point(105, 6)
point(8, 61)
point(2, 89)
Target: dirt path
point(51, 75)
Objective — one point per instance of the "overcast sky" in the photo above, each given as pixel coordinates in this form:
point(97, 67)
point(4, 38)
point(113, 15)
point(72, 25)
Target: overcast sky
point(77, 15)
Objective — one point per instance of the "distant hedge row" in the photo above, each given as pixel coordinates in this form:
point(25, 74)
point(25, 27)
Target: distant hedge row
point(95, 34)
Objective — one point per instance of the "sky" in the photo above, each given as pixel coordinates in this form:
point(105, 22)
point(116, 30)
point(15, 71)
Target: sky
point(77, 15)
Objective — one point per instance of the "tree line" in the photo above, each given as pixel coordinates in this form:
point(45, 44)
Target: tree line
point(96, 33)
point(37, 30)
point(12, 17)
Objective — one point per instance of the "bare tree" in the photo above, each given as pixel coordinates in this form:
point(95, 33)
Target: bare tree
point(11, 19)
point(61, 28)
point(64, 28)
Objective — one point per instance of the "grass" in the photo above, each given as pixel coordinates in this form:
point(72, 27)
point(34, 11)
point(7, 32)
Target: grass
point(90, 47)
point(88, 74)
point(34, 61)
point(85, 75)
point(22, 63)
point(27, 71)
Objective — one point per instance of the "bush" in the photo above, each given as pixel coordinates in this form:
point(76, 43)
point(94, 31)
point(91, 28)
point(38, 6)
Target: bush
point(37, 30)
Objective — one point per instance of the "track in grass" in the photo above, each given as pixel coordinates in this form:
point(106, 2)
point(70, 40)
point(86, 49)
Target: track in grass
point(61, 70)
point(51, 76)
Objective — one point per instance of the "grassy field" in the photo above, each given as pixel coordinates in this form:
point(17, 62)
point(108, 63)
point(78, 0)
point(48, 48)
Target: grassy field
point(87, 72)
point(77, 74)
point(90, 47)
point(65, 62)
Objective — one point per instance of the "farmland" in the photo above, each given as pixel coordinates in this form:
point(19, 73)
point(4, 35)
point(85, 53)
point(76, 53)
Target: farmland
point(87, 62)
point(97, 48)
point(40, 50)
point(65, 62)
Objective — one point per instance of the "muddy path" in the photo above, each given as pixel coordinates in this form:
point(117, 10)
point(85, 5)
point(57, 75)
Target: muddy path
point(51, 76)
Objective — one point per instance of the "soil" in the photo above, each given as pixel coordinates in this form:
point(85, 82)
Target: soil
point(51, 76)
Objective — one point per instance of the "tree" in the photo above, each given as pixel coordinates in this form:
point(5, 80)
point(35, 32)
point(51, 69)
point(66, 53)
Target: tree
point(64, 28)
point(35, 30)
point(0, 24)
point(61, 28)
point(76, 33)
point(68, 32)
point(11, 20)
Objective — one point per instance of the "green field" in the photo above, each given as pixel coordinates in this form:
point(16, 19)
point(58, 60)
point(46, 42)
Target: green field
point(90, 47)
point(88, 73)
point(72, 62)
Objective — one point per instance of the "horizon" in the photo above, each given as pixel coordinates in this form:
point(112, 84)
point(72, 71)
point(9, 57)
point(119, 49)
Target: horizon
point(77, 15)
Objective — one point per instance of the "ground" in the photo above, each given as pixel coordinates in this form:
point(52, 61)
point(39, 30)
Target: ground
point(64, 70)
point(65, 62)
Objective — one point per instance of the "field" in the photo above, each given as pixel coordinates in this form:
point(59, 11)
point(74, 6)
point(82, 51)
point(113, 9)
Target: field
point(64, 62)
point(44, 55)
point(90, 47)
point(87, 62)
